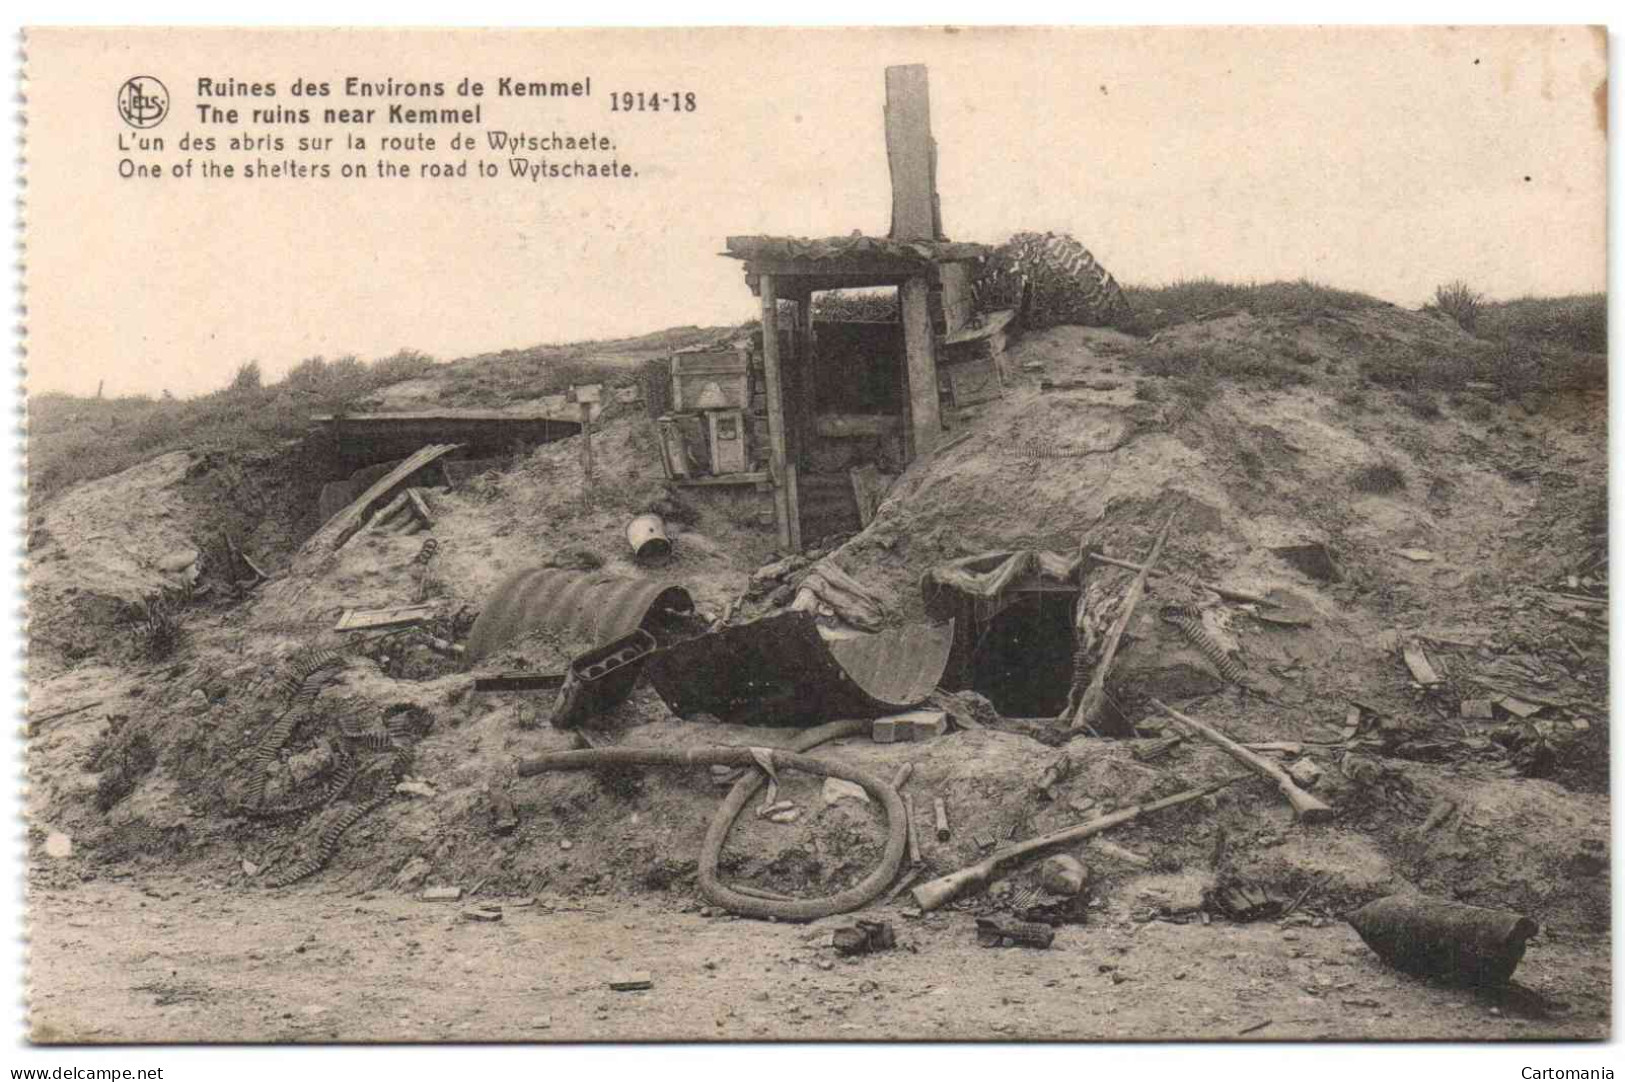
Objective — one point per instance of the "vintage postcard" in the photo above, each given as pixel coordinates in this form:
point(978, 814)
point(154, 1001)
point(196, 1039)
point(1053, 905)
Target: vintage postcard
point(817, 535)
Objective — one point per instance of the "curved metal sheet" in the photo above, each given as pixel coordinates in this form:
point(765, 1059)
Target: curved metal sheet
point(897, 668)
point(585, 606)
point(781, 671)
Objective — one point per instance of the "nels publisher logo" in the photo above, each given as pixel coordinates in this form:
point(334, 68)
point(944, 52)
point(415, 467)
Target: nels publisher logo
point(143, 102)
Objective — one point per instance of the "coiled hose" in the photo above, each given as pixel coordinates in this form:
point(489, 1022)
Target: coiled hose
point(716, 835)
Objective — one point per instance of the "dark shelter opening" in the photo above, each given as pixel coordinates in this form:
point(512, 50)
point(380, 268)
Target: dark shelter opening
point(1022, 661)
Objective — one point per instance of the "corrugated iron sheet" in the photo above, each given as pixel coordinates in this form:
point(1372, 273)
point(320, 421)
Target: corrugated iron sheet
point(585, 606)
point(781, 671)
point(896, 668)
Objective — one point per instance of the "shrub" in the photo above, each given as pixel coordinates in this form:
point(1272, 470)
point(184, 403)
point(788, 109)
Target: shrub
point(1159, 307)
point(247, 377)
point(1577, 322)
point(1379, 478)
point(158, 620)
point(1461, 302)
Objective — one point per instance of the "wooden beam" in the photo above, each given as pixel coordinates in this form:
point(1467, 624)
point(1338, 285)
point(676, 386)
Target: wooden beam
point(784, 507)
point(925, 415)
point(806, 377)
point(342, 526)
point(911, 154)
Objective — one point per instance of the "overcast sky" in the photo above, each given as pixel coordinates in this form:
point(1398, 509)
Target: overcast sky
point(1380, 160)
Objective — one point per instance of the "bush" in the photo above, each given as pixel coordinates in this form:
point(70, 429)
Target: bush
point(247, 377)
point(1460, 302)
point(1379, 478)
point(1159, 307)
point(74, 439)
point(158, 628)
point(1577, 323)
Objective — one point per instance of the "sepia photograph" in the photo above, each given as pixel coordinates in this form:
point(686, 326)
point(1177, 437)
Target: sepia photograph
point(955, 534)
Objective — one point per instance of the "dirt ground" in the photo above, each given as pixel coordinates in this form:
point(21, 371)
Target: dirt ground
point(149, 916)
point(182, 959)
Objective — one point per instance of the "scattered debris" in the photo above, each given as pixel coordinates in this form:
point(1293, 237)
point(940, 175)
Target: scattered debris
point(941, 810)
point(1059, 769)
point(1305, 772)
point(504, 817)
point(1481, 709)
point(1416, 660)
point(417, 787)
point(1442, 810)
point(519, 681)
point(379, 619)
point(1430, 937)
point(635, 981)
point(1005, 932)
point(1313, 559)
point(646, 534)
point(864, 937)
point(913, 726)
point(1419, 556)
point(1255, 1027)
point(827, 585)
point(1243, 902)
point(939, 892)
point(836, 790)
point(1239, 596)
point(488, 914)
point(1093, 699)
point(1117, 852)
point(441, 894)
point(1308, 808)
point(1063, 874)
point(601, 678)
point(1156, 749)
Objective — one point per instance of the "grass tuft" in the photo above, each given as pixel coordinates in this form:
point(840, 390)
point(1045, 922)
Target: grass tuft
point(1379, 478)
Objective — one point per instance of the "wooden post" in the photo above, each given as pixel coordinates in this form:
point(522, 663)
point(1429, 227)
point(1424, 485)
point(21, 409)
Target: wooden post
point(925, 416)
point(911, 154)
point(806, 377)
point(784, 506)
point(586, 441)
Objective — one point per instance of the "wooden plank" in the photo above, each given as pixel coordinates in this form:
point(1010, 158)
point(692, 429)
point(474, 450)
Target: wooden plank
point(394, 616)
point(992, 323)
point(920, 344)
point(838, 426)
point(1417, 661)
point(394, 509)
point(957, 303)
point(806, 375)
point(342, 526)
point(910, 153)
point(1094, 697)
point(420, 506)
point(727, 479)
point(784, 508)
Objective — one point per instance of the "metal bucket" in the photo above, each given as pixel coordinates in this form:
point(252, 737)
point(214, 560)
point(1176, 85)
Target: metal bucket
point(647, 535)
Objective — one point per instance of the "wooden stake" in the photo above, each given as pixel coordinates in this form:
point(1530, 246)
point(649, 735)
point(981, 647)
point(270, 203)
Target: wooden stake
point(1094, 698)
point(586, 441)
point(784, 510)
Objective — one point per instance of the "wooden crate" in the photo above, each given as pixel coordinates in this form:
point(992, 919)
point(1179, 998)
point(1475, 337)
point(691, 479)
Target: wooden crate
point(691, 373)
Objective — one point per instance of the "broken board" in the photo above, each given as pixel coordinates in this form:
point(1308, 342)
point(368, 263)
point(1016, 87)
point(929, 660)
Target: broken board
point(377, 619)
point(344, 525)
